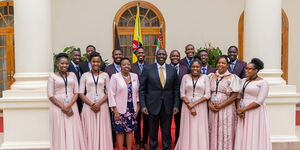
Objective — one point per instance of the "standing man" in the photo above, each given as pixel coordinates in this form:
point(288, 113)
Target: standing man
point(74, 67)
point(138, 69)
point(159, 98)
point(236, 66)
point(86, 66)
point(189, 52)
point(205, 69)
point(181, 71)
point(113, 68)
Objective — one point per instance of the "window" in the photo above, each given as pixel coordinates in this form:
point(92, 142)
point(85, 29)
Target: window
point(151, 20)
point(6, 45)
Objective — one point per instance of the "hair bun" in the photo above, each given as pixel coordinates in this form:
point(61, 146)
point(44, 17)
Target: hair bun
point(257, 63)
point(61, 55)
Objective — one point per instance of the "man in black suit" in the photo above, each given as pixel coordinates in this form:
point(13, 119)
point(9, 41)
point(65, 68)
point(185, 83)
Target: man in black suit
point(86, 66)
point(181, 71)
point(138, 69)
point(74, 67)
point(159, 98)
point(113, 68)
point(189, 52)
point(205, 68)
point(236, 66)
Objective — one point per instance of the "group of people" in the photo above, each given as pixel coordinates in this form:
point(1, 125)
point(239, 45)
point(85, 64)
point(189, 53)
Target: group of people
point(95, 106)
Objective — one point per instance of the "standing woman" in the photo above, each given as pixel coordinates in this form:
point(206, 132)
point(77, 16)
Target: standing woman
point(123, 98)
point(222, 115)
point(95, 113)
point(65, 125)
point(252, 128)
point(194, 92)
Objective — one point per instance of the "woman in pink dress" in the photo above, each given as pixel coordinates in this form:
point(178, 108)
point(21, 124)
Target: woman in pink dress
point(252, 128)
point(65, 125)
point(95, 112)
point(194, 92)
point(222, 114)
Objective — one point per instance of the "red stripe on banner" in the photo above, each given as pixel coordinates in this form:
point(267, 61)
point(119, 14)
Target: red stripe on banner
point(1, 124)
point(298, 118)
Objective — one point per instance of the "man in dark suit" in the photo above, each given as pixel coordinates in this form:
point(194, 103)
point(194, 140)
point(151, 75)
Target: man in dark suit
point(74, 67)
point(159, 98)
point(85, 66)
point(205, 68)
point(138, 69)
point(181, 71)
point(236, 66)
point(113, 68)
point(189, 52)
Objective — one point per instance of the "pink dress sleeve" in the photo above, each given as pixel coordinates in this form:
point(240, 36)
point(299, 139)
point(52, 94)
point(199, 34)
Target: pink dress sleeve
point(263, 93)
point(112, 91)
point(82, 84)
point(75, 89)
point(107, 80)
point(207, 88)
point(50, 86)
point(183, 86)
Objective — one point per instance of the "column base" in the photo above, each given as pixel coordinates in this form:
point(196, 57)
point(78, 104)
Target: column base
point(38, 145)
point(273, 76)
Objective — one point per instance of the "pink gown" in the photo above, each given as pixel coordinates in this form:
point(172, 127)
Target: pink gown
point(66, 132)
point(96, 126)
point(222, 124)
point(194, 129)
point(253, 131)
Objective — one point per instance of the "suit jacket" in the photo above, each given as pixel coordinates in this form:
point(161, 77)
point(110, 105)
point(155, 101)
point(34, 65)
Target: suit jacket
point(184, 62)
point(110, 69)
point(84, 67)
point(210, 70)
point(239, 69)
point(135, 69)
point(76, 72)
point(182, 71)
point(118, 92)
point(153, 96)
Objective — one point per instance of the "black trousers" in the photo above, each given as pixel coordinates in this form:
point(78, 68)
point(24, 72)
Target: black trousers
point(177, 125)
point(137, 134)
point(163, 120)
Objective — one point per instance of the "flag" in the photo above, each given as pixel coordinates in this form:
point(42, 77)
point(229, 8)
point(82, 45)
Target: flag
point(159, 44)
point(137, 35)
point(117, 41)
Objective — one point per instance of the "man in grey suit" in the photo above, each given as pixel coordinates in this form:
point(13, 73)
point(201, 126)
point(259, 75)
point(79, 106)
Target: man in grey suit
point(159, 98)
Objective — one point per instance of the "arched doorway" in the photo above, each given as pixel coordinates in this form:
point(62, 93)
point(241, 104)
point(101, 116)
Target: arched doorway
point(284, 42)
point(151, 21)
point(7, 66)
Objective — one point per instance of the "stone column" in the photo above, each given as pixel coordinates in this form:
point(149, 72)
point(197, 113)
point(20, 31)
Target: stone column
point(262, 34)
point(25, 105)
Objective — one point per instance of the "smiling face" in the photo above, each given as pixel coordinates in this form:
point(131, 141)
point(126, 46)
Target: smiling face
point(76, 55)
point(222, 65)
point(250, 71)
point(203, 57)
point(125, 66)
point(175, 57)
point(117, 56)
point(190, 51)
point(195, 68)
point(95, 62)
point(140, 54)
point(63, 64)
point(161, 56)
point(232, 53)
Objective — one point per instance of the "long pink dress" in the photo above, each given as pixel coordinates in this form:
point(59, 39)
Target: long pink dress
point(253, 131)
point(66, 132)
point(222, 124)
point(96, 126)
point(194, 129)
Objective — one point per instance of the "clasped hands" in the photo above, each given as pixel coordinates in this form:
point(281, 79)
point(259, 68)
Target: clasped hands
point(67, 110)
point(95, 107)
point(191, 106)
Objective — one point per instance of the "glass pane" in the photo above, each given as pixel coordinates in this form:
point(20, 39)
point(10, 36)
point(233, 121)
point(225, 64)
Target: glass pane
point(126, 14)
point(153, 40)
point(123, 39)
point(145, 23)
point(3, 64)
point(143, 10)
point(9, 19)
point(2, 23)
point(11, 10)
point(146, 39)
point(2, 40)
point(131, 22)
point(133, 10)
point(3, 75)
point(151, 14)
point(2, 10)
point(129, 39)
point(122, 22)
point(155, 22)
point(2, 52)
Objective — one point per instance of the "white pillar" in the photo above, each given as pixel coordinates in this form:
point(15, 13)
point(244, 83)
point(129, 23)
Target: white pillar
point(262, 34)
point(25, 105)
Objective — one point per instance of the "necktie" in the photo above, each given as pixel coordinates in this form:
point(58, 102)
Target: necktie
point(203, 70)
point(176, 67)
point(161, 76)
point(77, 71)
point(118, 68)
point(141, 68)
